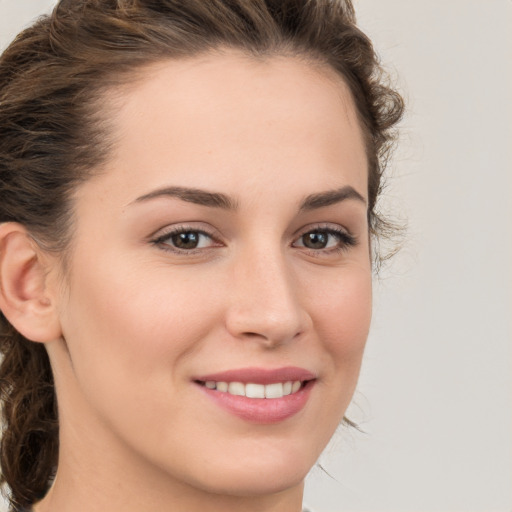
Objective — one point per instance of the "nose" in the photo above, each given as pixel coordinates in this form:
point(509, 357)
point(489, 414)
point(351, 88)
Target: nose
point(265, 302)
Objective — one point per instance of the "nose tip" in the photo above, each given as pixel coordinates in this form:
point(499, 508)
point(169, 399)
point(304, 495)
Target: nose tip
point(266, 306)
point(269, 330)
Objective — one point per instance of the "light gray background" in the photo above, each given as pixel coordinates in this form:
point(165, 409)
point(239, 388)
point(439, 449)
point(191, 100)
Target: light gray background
point(435, 394)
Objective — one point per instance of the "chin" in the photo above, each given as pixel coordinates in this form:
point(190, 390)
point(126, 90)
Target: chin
point(256, 483)
point(256, 475)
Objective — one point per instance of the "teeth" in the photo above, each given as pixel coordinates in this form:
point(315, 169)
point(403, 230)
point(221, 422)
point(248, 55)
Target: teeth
point(255, 390)
point(236, 388)
point(251, 390)
point(274, 390)
point(221, 386)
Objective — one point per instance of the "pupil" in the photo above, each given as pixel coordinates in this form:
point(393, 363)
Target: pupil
point(187, 240)
point(315, 240)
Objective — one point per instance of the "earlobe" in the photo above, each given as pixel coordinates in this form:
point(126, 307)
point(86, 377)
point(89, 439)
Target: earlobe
point(25, 299)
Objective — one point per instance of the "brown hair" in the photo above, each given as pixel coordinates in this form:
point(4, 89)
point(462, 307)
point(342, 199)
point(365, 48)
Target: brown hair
point(53, 134)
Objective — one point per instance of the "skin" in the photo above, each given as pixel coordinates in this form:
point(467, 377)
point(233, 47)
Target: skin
point(136, 320)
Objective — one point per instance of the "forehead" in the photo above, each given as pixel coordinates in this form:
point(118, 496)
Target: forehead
point(237, 114)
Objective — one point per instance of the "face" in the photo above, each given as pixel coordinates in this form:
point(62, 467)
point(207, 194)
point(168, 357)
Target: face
point(225, 246)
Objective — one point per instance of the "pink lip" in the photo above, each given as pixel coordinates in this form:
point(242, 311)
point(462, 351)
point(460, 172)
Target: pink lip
point(260, 410)
point(259, 375)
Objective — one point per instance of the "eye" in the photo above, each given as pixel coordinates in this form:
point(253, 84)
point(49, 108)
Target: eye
point(325, 239)
point(185, 240)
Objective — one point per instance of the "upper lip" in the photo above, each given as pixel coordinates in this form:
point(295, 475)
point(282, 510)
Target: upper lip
point(259, 375)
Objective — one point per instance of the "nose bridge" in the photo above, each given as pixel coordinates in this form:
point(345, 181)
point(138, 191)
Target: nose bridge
point(265, 304)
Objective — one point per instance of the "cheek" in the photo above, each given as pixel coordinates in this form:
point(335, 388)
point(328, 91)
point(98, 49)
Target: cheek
point(345, 302)
point(130, 335)
point(121, 323)
point(342, 315)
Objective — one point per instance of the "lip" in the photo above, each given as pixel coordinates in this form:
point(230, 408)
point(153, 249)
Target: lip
point(260, 410)
point(259, 375)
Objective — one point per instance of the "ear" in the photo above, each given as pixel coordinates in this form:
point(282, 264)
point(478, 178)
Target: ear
point(25, 299)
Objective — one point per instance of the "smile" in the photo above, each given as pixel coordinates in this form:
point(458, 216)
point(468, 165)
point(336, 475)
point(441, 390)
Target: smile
point(253, 390)
point(259, 395)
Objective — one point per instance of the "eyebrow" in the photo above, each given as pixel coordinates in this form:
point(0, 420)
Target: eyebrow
point(192, 195)
point(330, 197)
point(219, 200)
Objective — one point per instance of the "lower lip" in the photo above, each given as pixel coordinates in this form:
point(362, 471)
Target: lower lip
point(261, 410)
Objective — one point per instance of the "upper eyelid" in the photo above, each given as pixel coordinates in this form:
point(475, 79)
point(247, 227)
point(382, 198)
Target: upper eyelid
point(322, 226)
point(170, 233)
point(215, 234)
point(184, 227)
point(159, 240)
point(341, 232)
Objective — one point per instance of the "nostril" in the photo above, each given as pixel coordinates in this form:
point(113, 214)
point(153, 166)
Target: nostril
point(253, 334)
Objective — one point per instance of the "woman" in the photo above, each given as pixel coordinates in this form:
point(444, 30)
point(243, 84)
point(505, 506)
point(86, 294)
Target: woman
point(188, 198)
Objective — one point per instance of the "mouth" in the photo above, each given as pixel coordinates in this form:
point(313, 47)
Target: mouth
point(254, 390)
point(259, 395)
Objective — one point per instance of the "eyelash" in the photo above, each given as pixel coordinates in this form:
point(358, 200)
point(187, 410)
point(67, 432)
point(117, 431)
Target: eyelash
point(345, 240)
point(161, 240)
